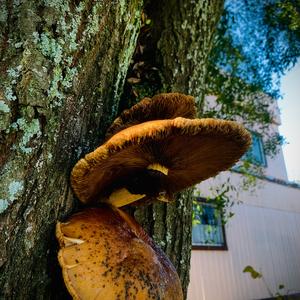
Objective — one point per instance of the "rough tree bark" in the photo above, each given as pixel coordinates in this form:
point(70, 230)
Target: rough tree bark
point(182, 34)
point(62, 70)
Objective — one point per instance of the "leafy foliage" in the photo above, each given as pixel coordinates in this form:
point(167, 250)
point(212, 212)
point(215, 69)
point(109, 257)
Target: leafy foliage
point(285, 16)
point(254, 274)
point(257, 275)
point(220, 200)
point(255, 44)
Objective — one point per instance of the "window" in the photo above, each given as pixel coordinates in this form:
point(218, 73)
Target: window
point(208, 231)
point(256, 151)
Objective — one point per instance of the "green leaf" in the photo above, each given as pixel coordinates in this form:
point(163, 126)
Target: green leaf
point(254, 274)
point(230, 215)
point(281, 286)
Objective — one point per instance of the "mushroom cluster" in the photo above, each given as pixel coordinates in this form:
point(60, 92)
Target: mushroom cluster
point(152, 150)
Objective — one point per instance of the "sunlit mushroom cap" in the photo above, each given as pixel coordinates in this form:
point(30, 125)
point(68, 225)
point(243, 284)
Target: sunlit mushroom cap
point(106, 255)
point(159, 107)
point(191, 150)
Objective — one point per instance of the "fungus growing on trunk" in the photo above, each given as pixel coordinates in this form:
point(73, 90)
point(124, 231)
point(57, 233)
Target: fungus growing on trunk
point(105, 254)
point(159, 107)
point(153, 150)
point(155, 159)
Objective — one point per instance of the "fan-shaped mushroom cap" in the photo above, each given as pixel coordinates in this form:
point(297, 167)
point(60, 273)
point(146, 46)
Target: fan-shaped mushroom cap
point(159, 107)
point(106, 255)
point(191, 150)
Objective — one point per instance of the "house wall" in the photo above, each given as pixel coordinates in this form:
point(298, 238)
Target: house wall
point(264, 233)
point(276, 165)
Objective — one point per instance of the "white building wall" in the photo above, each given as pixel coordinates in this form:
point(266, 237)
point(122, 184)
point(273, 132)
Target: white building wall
point(264, 233)
point(276, 165)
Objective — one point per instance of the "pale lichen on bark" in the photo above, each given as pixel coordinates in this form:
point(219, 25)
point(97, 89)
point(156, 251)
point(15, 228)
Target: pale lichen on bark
point(184, 40)
point(59, 74)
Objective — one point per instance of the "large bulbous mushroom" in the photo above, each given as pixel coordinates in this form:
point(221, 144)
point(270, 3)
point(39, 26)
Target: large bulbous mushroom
point(155, 159)
point(106, 255)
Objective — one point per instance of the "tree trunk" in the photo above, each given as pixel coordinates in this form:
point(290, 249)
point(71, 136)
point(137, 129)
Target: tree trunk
point(62, 70)
point(182, 36)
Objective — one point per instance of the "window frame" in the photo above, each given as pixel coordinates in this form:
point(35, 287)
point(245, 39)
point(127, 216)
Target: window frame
point(224, 247)
point(264, 163)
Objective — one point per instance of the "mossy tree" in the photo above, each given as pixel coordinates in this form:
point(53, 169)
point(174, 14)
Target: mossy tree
point(62, 73)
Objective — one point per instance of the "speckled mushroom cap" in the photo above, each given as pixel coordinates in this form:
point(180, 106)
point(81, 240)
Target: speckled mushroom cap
point(106, 255)
point(192, 150)
point(159, 107)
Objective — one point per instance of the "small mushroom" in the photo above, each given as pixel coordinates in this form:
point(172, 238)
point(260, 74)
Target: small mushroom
point(157, 158)
point(105, 254)
point(159, 107)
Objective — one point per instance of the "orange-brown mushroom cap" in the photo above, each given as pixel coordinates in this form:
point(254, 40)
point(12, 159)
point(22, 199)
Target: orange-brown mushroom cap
point(159, 107)
point(191, 150)
point(106, 255)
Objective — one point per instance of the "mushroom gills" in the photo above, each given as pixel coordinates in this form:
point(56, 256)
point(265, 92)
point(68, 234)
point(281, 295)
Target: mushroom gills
point(152, 157)
point(146, 183)
point(122, 197)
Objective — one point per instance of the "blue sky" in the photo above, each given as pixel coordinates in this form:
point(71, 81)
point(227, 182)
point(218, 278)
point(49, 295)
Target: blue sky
point(290, 119)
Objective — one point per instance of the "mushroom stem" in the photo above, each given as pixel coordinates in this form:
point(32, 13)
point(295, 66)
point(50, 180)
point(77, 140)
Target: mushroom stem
point(123, 197)
point(159, 168)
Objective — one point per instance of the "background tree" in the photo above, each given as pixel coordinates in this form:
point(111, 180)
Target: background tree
point(258, 42)
point(255, 44)
point(62, 71)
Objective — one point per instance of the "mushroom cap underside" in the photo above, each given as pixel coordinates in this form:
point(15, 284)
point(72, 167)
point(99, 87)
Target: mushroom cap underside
point(159, 107)
point(192, 150)
point(106, 255)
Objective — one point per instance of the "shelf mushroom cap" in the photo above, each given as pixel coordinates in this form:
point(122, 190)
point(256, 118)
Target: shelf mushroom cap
point(159, 107)
point(105, 254)
point(191, 150)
